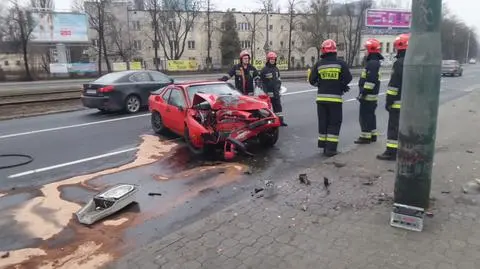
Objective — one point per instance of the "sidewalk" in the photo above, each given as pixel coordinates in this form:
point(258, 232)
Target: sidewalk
point(304, 227)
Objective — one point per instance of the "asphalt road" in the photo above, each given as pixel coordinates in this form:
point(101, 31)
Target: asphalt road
point(70, 144)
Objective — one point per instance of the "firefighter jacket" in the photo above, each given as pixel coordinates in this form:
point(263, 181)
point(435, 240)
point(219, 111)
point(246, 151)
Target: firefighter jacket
point(369, 83)
point(244, 77)
point(270, 76)
point(332, 77)
point(394, 91)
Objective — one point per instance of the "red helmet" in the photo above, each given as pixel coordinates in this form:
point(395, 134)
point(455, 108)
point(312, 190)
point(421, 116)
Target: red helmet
point(271, 55)
point(244, 53)
point(373, 45)
point(329, 46)
point(401, 42)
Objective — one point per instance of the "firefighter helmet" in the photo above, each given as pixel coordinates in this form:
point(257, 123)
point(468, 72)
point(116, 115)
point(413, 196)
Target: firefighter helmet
point(373, 45)
point(329, 46)
point(401, 42)
point(271, 55)
point(244, 53)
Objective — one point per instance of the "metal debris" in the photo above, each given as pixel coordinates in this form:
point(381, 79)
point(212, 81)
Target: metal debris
point(470, 151)
point(472, 187)
point(154, 194)
point(429, 214)
point(445, 192)
point(106, 203)
point(304, 179)
point(326, 182)
point(304, 207)
point(269, 189)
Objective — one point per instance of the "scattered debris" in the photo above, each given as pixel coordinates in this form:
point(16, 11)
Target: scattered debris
point(107, 203)
point(338, 164)
point(5, 255)
point(470, 151)
point(269, 189)
point(429, 214)
point(471, 187)
point(445, 192)
point(248, 171)
point(368, 183)
point(391, 170)
point(304, 179)
point(154, 194)
point(258, 192)
point(304, 207)
point(326, 182)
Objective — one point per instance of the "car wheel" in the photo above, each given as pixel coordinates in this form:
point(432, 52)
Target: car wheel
point(132, 104)
point(270, 138)
point(157, 123)
point(206, 150)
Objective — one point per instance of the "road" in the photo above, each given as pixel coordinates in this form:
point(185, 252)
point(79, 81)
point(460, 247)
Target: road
point(84, 142)
point(13, 88)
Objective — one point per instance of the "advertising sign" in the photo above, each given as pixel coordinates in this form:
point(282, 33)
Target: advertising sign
point(388, 18)
point(59, 27)
point(259, 64)
point(182, 65)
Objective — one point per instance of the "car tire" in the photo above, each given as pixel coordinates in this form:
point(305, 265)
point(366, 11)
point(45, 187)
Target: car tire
point(270, 138)
point(206, 151)
point(157, 123)
point(132, 104)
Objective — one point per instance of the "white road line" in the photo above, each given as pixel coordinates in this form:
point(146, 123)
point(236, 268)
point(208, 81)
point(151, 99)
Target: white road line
point(312, 90)
point(71, 163)
point(72, 126)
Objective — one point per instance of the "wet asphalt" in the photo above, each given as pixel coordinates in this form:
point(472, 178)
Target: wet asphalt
point(68, 137)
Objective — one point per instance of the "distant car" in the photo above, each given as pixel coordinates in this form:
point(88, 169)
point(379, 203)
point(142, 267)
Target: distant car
point(452, 68)
point(125, 90)
point(212, 114)
point(472, 61)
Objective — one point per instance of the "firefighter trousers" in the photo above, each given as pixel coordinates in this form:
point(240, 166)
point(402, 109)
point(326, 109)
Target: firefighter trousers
point(276, 101)
point(368, 120)
point(330, 116)
point(392, 130)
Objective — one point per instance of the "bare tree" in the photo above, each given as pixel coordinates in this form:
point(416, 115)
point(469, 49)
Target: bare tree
point(42, 4)
point(293, 23)
point(98, 18)
point(255, 29)
point(154, 7)
point(354, 22)
point(121, 46)
point(210, 27)
point(316, 23)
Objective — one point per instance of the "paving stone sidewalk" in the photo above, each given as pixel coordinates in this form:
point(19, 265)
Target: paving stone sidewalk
point(348, 226)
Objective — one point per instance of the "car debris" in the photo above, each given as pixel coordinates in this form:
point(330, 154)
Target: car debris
point(470, 151)
point(326, 182)
point(269, 189)
point(106, 203)
point(154, 194)
point(304, 179)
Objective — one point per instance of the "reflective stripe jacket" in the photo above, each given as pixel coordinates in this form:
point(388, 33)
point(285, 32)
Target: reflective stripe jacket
point(331, 76)
point(270, 76)
point(369, 83)
point(394, 90)
point(244, 77)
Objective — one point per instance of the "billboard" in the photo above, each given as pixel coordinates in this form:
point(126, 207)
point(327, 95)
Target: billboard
point(57, 27)
point(384, 18)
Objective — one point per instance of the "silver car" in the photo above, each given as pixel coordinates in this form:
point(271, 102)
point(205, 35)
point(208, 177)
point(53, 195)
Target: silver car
point(452, 68)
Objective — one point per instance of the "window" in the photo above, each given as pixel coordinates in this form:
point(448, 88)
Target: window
point(160, 78)
point(293, 43)
point(140, 77)
point(136, 25)
point(246, 44)
point(381, 47)
point(176, 98)
point(166, 95)
point(137, 44)
point(388, 47)
point(270, 28)
point(191, 45)
point(340, 46)
point(281, 44)
point(173, 44)
point(243, 26)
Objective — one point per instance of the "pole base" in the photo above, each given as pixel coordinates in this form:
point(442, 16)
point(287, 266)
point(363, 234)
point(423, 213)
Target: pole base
point(407, 217)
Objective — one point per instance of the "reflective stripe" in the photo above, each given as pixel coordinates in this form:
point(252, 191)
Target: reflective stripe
point(366, 135)
point(392, 91)
point(371, 97)
point(392, 144)
point(332, 138)
point(271, 94)
point(369, 85)
point(322, 137)
point(397, 104)
point(330, 98)
point(364, 74)
point(327, 66)
point(375, 132)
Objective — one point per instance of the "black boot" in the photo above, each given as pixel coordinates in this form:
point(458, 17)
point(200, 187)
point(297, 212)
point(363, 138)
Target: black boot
point(374, 138)
point(283, 123)
point(363, 140)
point(388, 155)
point(330, 153)
point(321, 144)
point(330, 149)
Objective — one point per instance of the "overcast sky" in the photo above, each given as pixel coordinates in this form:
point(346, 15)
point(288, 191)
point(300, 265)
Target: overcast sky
point(467, 10)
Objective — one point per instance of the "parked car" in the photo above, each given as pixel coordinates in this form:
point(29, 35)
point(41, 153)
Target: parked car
point(452, 68)
point(213, 114)
point(125, 90)
point(472, 61)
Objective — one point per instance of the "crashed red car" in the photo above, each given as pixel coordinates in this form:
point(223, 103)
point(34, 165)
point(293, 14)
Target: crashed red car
point(213, 114)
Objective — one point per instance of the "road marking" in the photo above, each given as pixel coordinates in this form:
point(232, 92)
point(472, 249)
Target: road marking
point(71, 163)
point(312, 90)
point(72, 126)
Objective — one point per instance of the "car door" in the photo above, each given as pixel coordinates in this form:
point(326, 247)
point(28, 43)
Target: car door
point(160, 80)
point(175, 110)
point(142, 85)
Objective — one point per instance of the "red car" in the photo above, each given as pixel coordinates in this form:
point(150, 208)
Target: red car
point(209, 114)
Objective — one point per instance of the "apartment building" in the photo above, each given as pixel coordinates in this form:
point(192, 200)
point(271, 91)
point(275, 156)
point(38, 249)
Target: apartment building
point(134, 30)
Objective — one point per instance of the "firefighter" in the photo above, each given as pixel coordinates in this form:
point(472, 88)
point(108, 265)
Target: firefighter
point(332, 77)
point(244, 74)
point(369, 86)
point(270, 76)
point(393, 102)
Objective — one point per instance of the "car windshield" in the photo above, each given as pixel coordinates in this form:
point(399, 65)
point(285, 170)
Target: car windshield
point(217, 88)
point(110, 78)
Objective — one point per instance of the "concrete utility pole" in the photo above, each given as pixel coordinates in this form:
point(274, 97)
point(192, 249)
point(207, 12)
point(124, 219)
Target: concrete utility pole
point(418, 116)
point(468, 46)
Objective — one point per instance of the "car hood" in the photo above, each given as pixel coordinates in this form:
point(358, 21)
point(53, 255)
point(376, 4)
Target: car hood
point(238, 102)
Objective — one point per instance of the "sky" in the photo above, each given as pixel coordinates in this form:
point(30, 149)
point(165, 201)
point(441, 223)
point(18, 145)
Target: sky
point(466, 10)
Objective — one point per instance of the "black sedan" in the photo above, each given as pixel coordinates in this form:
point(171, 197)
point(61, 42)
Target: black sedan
point(125, 90)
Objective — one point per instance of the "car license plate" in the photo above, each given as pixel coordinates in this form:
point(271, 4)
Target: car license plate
point(407, 217)
point(91, 92)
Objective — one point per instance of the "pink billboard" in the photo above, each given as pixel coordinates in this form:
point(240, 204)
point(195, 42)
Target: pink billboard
point(388, 18)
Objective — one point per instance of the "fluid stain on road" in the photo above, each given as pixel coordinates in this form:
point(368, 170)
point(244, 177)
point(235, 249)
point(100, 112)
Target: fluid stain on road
point(58, 240)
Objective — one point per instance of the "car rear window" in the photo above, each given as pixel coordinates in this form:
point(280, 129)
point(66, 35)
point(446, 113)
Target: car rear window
point(449, 62)
point(109, 78)
point(217, 88)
